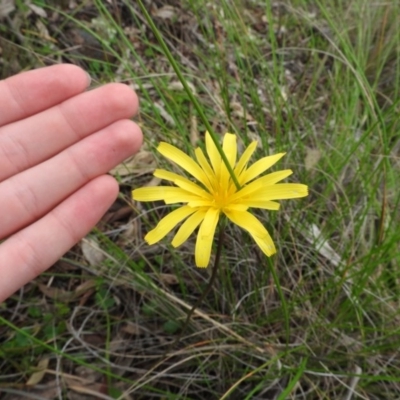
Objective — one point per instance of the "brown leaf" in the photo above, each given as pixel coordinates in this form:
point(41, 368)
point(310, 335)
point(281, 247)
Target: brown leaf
point(85, 287)
point(164, 113)
point(142, 163)
point(239, 111)
point(55, 293)
point(153, 182)
point(122, 213)
point(166, 12)
point(94, 389)
point(92, 252)
point(312, 158)
point(37, 376)
point(131, 328)
point(169, 279)
point(38, 10)
point(6, 8)
point(194, 132)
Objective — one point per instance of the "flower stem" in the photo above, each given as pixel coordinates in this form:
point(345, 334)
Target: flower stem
point(192, 98)
point(282, 298)
point(210, 283)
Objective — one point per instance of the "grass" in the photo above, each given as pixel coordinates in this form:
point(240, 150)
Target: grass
point(318, 82)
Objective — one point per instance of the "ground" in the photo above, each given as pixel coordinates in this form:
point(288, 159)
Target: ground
point(318, 80)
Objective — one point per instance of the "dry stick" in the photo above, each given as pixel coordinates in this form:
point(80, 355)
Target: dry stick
point(206, 290)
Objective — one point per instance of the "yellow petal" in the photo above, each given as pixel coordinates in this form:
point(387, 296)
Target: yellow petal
point(181, 199)
point(260, 185)
point(206, 167)
point(169, 194)
point(259, 167)
point(213, 155)
point(188, 227)
point(198, 203)
point(236, 207)
point(182, 182)
point(248, 222)
point(205, 238)
point(230, 148)
point(232, 189)
point(247, 191)
point(266, 205)
point(266, 245)
point(210, 222)
point(191, 187)
point(155, 193)
point(168, 223)
point(166, 175)
point(282, 191)
point(275, 177)
point(244, 159)
point(183, 160)
point(255, 228)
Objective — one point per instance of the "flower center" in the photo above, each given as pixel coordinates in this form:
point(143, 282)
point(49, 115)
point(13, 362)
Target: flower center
point(221, 198)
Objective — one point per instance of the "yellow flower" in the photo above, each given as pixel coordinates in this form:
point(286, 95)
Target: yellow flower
point(216, 193)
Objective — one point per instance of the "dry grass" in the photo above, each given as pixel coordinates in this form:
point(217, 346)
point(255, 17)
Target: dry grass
point(317, 81)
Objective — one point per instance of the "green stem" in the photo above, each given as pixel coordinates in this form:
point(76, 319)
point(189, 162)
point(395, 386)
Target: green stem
point(189, 92)
point(209, 286)
point(282, 298)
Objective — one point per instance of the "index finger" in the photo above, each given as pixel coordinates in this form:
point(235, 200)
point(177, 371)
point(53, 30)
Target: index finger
point(30, 92)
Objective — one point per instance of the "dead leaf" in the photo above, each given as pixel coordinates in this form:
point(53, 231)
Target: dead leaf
point(131, 328)
point(38, 10)
point(321, 244)
point(94, 389)
point(85, 287)
point(166, 12)
point(84, 375)
point(92, 252)
point(194, 132)
point(153, 182)
point(163, 112)
point(178, 87)
point(169, 279)
point(143, 86)
point(55, 293)
point(42, 29)
point(95, 340)
point(65, 266)
point(239, 111)
point(312, 158)
point(142, 163)
point(37, 376)
point(120, 214)
point(6, 8)
point(131, 233)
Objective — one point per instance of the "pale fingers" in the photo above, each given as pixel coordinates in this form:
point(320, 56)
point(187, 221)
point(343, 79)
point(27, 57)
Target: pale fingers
point(32, 140)
point(30, 92)
point(34, 192)
point(31, 251)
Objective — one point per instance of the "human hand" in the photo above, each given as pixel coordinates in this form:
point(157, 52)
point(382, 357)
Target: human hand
point(57, 142)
